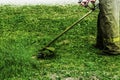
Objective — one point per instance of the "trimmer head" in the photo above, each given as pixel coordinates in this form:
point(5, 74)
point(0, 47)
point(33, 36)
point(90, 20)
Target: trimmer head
point(46, 53)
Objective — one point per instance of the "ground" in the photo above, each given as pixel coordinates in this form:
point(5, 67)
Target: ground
point(24, 30)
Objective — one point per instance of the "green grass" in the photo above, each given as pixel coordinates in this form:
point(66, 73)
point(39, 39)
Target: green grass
point(25, 30)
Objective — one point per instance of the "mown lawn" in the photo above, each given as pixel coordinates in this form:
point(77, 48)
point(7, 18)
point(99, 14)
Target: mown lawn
point(24, 30)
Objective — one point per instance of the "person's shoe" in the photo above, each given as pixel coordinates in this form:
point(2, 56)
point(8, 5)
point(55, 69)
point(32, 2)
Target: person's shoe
point(101, 52)
point(111, 52)
point(98, 47)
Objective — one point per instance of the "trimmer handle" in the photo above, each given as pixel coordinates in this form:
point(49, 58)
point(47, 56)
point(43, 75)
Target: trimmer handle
point(90, 5)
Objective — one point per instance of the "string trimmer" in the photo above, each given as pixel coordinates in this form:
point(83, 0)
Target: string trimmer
point(49, 51)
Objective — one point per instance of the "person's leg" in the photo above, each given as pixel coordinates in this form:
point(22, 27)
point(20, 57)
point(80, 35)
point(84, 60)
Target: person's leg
point(108, 33)
point(99, 39)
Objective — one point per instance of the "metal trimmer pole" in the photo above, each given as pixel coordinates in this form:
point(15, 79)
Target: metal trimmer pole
point(67, 29)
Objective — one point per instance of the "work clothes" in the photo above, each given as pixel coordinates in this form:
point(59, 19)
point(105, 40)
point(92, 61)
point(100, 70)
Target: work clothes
point(108, 33)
